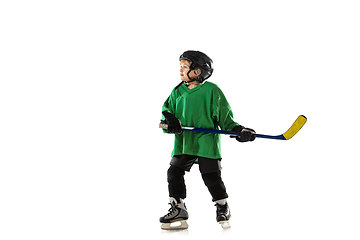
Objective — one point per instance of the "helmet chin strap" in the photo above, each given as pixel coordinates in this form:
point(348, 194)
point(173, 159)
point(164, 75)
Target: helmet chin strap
point(187, 82)
point(191, 79)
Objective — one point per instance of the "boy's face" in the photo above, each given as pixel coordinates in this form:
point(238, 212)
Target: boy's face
point(185, 68)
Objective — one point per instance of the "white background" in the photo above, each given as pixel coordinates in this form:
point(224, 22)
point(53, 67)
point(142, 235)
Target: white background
point(82, 85)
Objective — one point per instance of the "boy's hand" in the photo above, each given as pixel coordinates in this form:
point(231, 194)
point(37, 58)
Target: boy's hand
point(174, 125)
point(246, 134)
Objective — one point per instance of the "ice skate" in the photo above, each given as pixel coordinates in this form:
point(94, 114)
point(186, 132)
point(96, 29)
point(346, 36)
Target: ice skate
point(223, 215)
point(177, 214)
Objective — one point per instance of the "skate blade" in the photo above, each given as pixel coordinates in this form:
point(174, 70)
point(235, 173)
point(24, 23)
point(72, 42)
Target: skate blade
point(168, 226)
point(225, 224)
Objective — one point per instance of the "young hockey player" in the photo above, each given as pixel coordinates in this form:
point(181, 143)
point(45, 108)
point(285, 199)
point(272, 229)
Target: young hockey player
point(196, 103)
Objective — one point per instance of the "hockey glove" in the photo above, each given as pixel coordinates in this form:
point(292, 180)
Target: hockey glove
point(246, 135)
point(174, 125)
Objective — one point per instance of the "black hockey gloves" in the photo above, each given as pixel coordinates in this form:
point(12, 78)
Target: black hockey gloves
point(174, 125)
point(247, 134)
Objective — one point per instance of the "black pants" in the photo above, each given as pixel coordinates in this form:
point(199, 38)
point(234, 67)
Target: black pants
point(210, 171)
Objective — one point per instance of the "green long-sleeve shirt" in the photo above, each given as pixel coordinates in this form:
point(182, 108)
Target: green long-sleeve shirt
point(204, 106)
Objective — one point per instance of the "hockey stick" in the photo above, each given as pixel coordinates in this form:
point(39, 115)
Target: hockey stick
point(295, 127)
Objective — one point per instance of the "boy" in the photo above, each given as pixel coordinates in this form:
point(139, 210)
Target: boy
point(194, 103)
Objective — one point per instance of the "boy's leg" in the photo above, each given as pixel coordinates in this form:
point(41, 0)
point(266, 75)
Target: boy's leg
point(179, 164)
point(215, 185)
point(177, 192)
point(175, 178)
point(211, 174)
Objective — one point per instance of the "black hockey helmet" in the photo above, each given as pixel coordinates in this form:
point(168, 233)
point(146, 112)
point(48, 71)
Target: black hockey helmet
point(200, 61)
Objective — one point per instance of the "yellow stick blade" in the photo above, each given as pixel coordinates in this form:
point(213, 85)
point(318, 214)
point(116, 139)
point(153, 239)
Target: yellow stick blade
point(297, 125)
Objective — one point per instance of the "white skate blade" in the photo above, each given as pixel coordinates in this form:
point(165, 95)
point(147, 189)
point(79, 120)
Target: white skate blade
point(175, 225)
point(225, 224)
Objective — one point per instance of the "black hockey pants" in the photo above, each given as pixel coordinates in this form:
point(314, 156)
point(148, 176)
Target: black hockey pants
point(210, 171)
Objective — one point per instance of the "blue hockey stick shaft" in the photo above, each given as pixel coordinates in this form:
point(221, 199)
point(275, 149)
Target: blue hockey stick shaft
point(295, 127)
point(230, 133)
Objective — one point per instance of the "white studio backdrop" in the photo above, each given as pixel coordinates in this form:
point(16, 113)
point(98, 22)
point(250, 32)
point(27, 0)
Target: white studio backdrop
point(82, 85)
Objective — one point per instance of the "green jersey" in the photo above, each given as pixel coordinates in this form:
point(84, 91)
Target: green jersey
point(204, 106)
